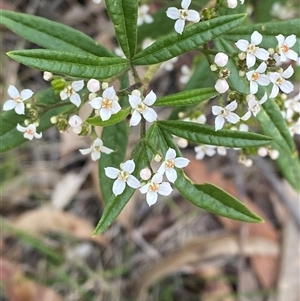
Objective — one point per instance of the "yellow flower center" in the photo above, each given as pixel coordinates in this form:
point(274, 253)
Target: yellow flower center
point(141, 107)
point(251, 48)
point(123, 175)
point(107, 104)
point(154, 187)
point(29, 131)
point(255, 76)
point(69, 90)
point(183, 14)
point(285, 48)
point(18, 99)
point(170, 163)
point(223, 113)
point(280, 81)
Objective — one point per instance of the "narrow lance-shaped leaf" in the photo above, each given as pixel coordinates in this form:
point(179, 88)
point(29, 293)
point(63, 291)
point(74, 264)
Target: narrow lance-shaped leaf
point(123, 13)
point(117, 203)
point(206, 196)
point(192, 37)
point(50, 34)
point(116, 138)
point(10, 137)
point(71, 63)
point(206, 134)
point(186, 98)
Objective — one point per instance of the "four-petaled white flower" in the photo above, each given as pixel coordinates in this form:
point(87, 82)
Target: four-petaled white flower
point(107, 104)
point(155, 187)
point(186, 74)
point(253, 105)
point(70, 92)
point(202, 150)
point(279, 81)
point(225, 113)
point(292, 106)
point(17, 101)
point(295, 128)
point(170, 162)
point(256, 77)
point(96, 149)
point(29, 131)
point(123, 176)
point(181, 15)
point(143, 15)
point(141, 107)
point(284, 45)
point(75, 122)
point(252, 50)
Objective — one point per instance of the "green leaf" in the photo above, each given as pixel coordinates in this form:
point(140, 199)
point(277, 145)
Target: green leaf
point(206, 196)
point(269, 30)
point(71, 63)
point(50, 34)
point(117, 203)
point(123, 13)
point(116, 138)
point(115, 118)
point(10, 137)
point(192, 37)
point(186, 98)
point(205, 134)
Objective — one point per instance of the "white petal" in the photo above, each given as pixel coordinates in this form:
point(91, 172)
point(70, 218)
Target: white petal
point(75, 99)
point(28, 136)
point(216, 110)
point(128, 166)
point(165, 189)
point(135, 118)
point(105, 114)
point(262, 54)
point(219, 122)
point(111, 172)
point(280, 39)
point(75, 121)
point(144, 189)
point(109, 93)
point(85, 151)
point(115, 107)
point(13, 91)
point(134, 101)
point(250, 60)
point(233, 118)
point(185, 4)
point(162, 168)
point(287, 87)
point(173, 13)
point(264, 99)
point(274, 92)
point(179, 26)
point(9, 105)
point(77, 85)
point(26, 94)
point(232, 106)
point(170, 154)
point(20, 108)
point(242, 45)
point(157, 178)
point(118, 187)
point(193, 16)
point(38, 135)
point(151, 198)
point(274, 76)
point(181, 162)
point(246, 116)
point(95, 156)
point(288, 72)
point(106, 150)
point(256, 38)
point(96, 103)
point(171, 175)
point(263, 80)
point(261, 68)
point(292, 55)
point(253, 87)
point(150, 98)
point(63, 95)
point(21, 128)
point(150, 115)
point(291, 40)
point(133, 182)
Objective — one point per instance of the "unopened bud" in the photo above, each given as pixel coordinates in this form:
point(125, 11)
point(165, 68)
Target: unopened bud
point(92, 96)
point(221, 59)
point(27, 122)
point(53, 119)
point(271, 51)
point(242, 56)
point(58, 84)
point(213, 67)
point(145, 174)
point(47, 76)
point(93, 85)
point(136, 92)
point(181, 115)
point(62, 124)
point(104, 85)
point(157, 158)
point(32, 113)
point(28, 105)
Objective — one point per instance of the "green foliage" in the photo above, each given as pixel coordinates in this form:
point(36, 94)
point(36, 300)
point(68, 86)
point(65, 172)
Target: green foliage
point(71, 63)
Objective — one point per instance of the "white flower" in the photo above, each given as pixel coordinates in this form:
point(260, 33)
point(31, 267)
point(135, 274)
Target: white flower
point(17, 101)
point(186, 74)
point(141, 107)
point(202, 150)
point(295, 128)
point(29, 131)
point(283, 12)
point(225, 113)
point(284, 45)
point(221, 59)
point(255, 77)
point(169, 64)
point(107, 104)
point(75, 123)
point(279, 81)
point(123, 176)
point(70, 92)
point(253, 105)
point(251, 49)
point(170, 162)
point(143, 16)
point(96, 149)
point(221, 85)
point(181, 15)
point(292, 106)
point(155, 187)
point(221, 150)
point(93, 85)
point(232, 3)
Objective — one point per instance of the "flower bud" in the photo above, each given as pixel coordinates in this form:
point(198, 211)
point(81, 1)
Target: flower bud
point(221, 59)
point(53, 119)
point(47, 76)
point(232, 3)
point(58, 84)
point(104, 85)
point(93, 85)
point(157, 158)
point(62, 124)
point(213, 67)
point(32, 114)
point(145, 174)
point(242, 56)
point(221, 86)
